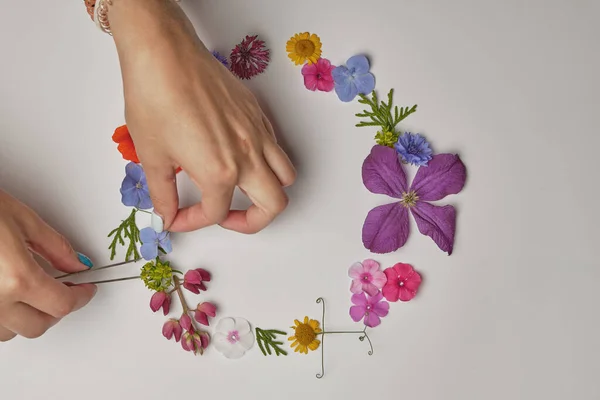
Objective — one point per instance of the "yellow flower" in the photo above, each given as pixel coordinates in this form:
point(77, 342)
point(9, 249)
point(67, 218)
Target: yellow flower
point(304, 47)
point(305, 335)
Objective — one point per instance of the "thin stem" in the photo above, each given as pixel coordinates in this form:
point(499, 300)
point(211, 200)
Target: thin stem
point(319, 376)
point(186, 309)
point(144, 211)
point(98, 269)
point(113, 280)
point(339, 332)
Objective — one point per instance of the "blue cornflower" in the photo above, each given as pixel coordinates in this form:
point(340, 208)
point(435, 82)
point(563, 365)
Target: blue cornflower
point(151, 241)
point(134, 189)
point(414, 149)
point(353, 78)
point(222, 59)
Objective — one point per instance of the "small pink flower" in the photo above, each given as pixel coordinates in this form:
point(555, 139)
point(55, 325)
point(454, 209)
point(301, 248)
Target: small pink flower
point(366, 277)
point(172, 328)
point(318, 75)
point(194, 279)
point(186, 322)
point(369, 308)
point(203, 311)
point(160, 300)
point(402, 282)
point(195, 342)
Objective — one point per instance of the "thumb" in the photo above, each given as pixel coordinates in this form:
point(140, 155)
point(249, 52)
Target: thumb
point(163, 191)
point(53, 246)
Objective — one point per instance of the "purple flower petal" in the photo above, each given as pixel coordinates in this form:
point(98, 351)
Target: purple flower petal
point(382, 308)
point(341, 75)
point(365, 83)
point(129, 196)
point(148, 235)
point(149, 251)
point(358, 65)
point(165, 242)
point(359, 299)
point(445, 174)
point(357, 312)
point(439, 223)
point(134, 171)
point(383, 174)
point(386, 228)
point(372, 320)
point(346, 91)
point(145, 202)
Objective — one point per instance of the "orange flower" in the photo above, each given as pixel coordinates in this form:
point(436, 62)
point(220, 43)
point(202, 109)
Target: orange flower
point(125, 144)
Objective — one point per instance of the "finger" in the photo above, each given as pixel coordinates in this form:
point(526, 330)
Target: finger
point(163, 192)
point(6, 335)
point(213, 209)
point(269, 127)
point(26, 321)
point(52, 246)
point(268, 198)
point(53, 297)
point(280, 164)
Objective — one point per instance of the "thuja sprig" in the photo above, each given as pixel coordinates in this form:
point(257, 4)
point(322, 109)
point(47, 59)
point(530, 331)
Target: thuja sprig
point(267, 340)
point(384, 115)
point(129, 231)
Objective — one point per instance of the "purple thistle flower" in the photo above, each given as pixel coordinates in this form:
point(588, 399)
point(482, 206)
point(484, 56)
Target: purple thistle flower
point(414, 149)
point(151, 241)
point(134, 189)
point(386, 227)
point(222, 59)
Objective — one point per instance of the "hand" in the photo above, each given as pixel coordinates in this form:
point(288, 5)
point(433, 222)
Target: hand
point(31, 301)
point(184, 109)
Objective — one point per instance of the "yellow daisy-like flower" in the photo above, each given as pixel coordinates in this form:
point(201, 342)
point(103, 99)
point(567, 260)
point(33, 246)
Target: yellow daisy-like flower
point(305, 336)
point(303, 47)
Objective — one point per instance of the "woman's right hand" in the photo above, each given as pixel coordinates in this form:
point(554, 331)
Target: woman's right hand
point(31, 301)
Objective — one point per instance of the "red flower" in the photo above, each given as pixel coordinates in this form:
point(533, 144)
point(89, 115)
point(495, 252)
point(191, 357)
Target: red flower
point(125, 144)
point(186, 323)
point(193, 280)
point(203, 311)
point(160, 300)
point(249, 58)
point(195, 342)
point(402, 283)
point(172, 328)
point(318, 76)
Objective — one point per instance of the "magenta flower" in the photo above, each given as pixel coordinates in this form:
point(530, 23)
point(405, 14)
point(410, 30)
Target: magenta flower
point(194, 279)
point(402, 283)
point(203, 311)
point(372, 309)
point(160, 300)
point(318, 75)
point(172, 328)
point(366, 277)
point(249, 58)
point(386, 227)
point(186, 322)
point(195, 342)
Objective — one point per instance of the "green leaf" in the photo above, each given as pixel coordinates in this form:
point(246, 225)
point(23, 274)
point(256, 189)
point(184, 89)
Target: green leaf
point(266, 340)
point(383, 114)
point(129, 231)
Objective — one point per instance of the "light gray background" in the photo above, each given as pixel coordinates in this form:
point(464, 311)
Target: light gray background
point(512, 314)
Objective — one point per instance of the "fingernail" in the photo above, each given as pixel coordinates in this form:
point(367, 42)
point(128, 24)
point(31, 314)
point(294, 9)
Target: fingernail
point(85, 260)
point(157, 223)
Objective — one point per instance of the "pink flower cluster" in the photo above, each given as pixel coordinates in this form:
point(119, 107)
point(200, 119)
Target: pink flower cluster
point(183, 329)
point(370, 285)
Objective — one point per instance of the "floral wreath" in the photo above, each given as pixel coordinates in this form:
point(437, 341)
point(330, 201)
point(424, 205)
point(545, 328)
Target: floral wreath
point(385, 230)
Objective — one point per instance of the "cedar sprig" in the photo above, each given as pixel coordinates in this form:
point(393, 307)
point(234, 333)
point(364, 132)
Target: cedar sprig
point(266, 340)
point(127, 230)
point(381, 112)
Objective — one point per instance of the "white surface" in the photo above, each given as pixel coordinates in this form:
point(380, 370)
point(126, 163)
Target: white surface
point(512, 314)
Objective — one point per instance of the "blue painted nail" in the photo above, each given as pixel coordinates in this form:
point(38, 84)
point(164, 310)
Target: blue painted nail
point(85, 260)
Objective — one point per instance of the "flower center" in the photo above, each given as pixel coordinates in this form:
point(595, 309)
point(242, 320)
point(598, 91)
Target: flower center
point(400, 283)
point(233, 337)
point(412, 149)
point(319, 76)
point(305, 48)
point(138, 185)
point(305, 334)
point(409, 199)
point(366, 278)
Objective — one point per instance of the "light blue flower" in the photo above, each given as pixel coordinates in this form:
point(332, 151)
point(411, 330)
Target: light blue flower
point(353, 78)
point(151, 241)
point(414, 149)
point(134, 189)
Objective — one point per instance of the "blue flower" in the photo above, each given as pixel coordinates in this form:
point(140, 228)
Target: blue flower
point(413, 149)
point(151, 241)
point(134, 189)
point(222, 59)
point(353, 78)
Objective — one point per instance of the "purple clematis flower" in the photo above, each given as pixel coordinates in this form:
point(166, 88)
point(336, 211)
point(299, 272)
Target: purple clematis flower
point(151, 241)
point(353, 78)
point(134, 189)
point(386, 227)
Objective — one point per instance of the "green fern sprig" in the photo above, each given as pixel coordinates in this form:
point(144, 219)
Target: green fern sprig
point(127, 230)
point(266, 340)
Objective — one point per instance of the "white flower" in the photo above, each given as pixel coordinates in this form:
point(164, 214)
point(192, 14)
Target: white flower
point(233, 337)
